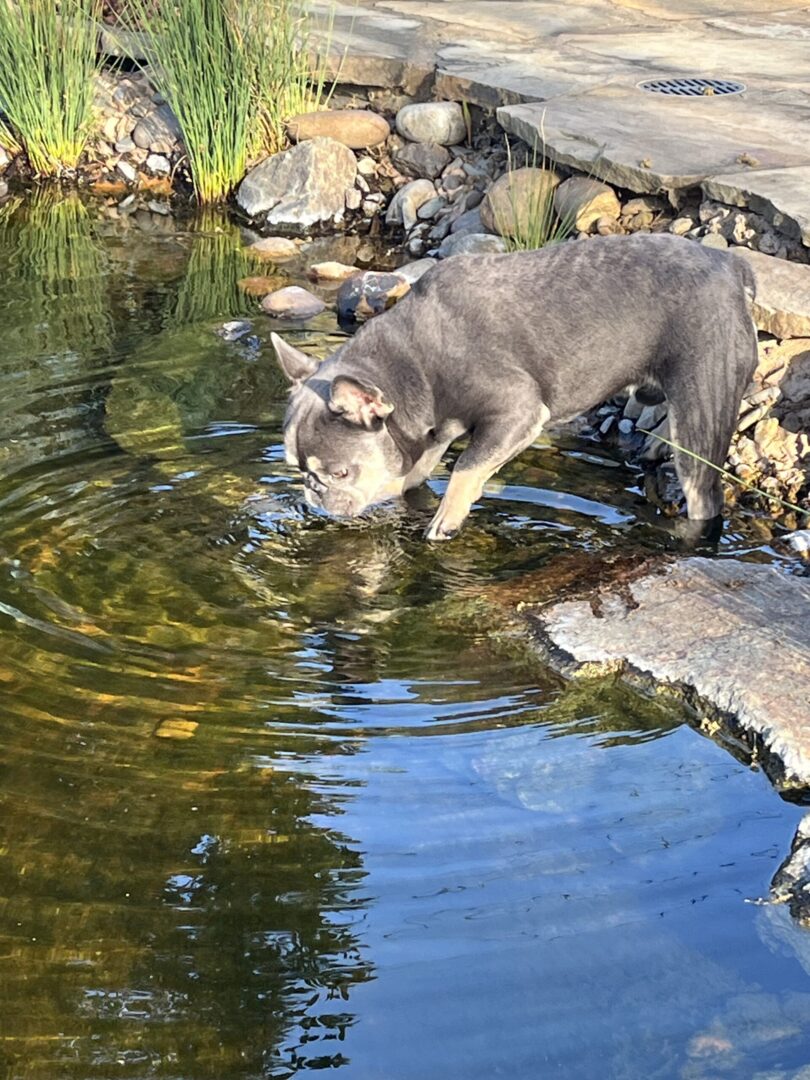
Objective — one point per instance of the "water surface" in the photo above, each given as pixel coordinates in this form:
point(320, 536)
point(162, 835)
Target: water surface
point(277, 794)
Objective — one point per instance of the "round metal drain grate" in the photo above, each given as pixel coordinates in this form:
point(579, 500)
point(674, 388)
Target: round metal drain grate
point(692, 87)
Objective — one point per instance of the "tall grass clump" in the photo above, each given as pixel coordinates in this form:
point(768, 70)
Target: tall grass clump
point(232, 72)
point(287, 77)
point(200, 65)
point(48, 60)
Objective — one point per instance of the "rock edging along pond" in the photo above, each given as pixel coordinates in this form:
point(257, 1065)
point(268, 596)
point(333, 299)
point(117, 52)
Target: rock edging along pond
point(731, 639)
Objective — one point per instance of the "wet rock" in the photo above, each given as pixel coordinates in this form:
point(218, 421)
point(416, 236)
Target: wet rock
point(234, 330)
point(158, 131)
point(300, 187)
point(274, 248)
point(583, 201)
point(405, 205)
point(439, 122)
point(125, 145)
point(355, 128)
point(158, 164)
point(421, 160)
point(367, 294)
point(736, 634)
point(176, 729)
point(332, 271)
point(516, 198)
point(471, 244)
point(293, 302)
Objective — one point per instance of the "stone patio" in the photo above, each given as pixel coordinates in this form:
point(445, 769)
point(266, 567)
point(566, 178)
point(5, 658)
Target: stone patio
point(572, 72)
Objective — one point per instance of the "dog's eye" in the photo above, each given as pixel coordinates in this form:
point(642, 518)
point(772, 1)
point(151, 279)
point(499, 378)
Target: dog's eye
point(339, 474)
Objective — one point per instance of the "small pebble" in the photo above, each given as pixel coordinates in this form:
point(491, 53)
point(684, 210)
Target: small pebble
point(800, 541)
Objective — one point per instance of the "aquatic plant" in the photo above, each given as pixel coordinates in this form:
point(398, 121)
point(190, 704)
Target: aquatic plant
point(232, 71)
point(48, 60)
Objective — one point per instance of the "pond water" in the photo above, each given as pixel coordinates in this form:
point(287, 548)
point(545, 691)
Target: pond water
point(277, 794)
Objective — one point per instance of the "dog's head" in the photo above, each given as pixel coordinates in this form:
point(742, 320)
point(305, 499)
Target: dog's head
point(336, 432)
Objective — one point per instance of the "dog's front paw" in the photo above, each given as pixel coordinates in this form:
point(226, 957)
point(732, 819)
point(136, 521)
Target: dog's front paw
point(441, 528)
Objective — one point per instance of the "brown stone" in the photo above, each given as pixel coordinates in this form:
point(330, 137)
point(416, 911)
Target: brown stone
point(355, 128)
point(260, 285)
point(292, 302)
point(276, 248)
point(583, 201)
point(516, 198)
point(332, 271)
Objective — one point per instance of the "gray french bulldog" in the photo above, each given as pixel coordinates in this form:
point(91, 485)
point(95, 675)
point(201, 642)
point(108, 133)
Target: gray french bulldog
point(496, 346)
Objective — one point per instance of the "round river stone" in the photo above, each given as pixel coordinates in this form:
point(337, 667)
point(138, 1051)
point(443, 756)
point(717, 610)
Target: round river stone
point(355, 128)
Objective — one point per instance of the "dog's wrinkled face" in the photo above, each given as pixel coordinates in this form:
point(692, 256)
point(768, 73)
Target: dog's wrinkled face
point(335, 432)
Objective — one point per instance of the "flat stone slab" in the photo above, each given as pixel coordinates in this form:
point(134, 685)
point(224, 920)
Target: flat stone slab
point(780, 195)
point(782, 305)
point(734, 637)
point(583, 61)
point(651, 143)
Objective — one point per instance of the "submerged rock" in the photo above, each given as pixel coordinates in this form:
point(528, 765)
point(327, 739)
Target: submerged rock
point(274, 248)
point(301, 187)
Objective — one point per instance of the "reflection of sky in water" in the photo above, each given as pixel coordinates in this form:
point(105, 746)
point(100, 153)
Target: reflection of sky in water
point(279, 793)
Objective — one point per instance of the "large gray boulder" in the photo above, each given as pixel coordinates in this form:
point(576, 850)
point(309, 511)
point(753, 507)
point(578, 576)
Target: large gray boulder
point(300, 187)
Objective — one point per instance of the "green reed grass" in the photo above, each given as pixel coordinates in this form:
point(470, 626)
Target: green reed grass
point(200, 66)
point(48, 60)
point(535, 223)
point(232, 71)
point(287, 74)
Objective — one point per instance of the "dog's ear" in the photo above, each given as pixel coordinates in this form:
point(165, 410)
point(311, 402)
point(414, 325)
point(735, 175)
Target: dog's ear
point(358, 402)
point(295, 364)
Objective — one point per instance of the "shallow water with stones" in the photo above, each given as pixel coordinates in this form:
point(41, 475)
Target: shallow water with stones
point(274, 796)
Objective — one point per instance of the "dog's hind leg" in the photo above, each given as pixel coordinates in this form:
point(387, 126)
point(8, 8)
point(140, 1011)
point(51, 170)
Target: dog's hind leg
point(703, 414)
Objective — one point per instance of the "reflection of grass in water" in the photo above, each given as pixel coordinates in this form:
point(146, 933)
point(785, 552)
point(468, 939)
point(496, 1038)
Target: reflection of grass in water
point(210, 288)
point(59, 266)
